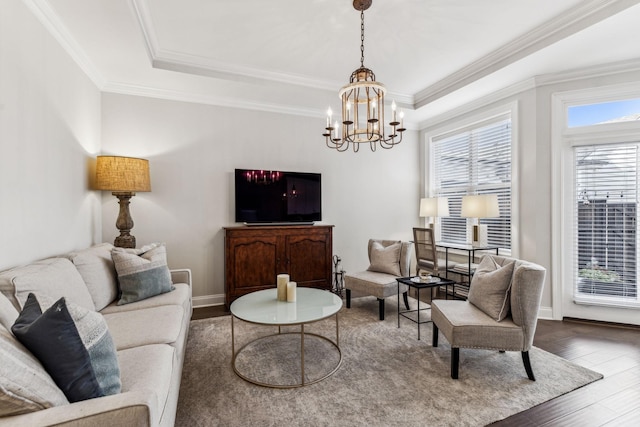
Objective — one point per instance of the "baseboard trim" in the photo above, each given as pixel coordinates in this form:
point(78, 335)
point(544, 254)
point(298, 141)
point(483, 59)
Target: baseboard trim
point(545, 313)
point(208, 300)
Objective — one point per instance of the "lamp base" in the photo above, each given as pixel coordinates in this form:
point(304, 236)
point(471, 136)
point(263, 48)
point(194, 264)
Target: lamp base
point(124, 223)
point(125, 241)
point(479, 235)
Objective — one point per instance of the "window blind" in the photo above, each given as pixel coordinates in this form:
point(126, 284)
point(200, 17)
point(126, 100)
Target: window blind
point(605, 224)
point(475, 160)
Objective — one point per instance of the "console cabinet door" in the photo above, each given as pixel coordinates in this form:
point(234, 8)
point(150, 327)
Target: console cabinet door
point(309, 259)
point(254, 262)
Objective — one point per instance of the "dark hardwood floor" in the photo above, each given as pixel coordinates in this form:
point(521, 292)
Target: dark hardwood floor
point(613, 350)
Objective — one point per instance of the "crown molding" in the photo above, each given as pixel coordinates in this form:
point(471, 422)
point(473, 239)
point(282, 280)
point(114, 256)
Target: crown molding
point(176, 95)
point(484, 101)
point(535, 82)
point(554, 30)
point(48, 18)
point(219, 101)
point(603, 70)
point(193, 64)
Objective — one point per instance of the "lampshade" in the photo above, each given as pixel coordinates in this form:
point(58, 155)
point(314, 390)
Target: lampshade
point(434, 206)
point(480, 206)
point(122, 174)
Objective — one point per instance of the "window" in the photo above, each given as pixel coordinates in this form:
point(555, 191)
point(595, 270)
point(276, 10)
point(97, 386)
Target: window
point(603, 113)
point(475, 160)
point(606, 192)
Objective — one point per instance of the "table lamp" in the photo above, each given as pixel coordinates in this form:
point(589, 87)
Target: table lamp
point(476, 207)
point(123, 176)
point(434, 207)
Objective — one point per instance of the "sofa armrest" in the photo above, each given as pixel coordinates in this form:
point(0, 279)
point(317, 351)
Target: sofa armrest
point(130, 408)
point(182, 275)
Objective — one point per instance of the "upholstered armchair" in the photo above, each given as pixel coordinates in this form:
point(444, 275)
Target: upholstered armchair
point(500, 313)
point(389, 259)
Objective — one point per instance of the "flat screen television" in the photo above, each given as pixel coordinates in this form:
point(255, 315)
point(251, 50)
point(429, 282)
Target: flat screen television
point(276, 197)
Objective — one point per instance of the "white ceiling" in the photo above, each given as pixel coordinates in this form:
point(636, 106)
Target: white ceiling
point(294, 55)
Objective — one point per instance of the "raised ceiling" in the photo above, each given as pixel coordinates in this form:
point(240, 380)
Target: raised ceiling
point(293, 55)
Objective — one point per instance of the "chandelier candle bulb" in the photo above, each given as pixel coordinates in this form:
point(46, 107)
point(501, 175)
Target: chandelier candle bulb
point(282, 281)
point(291, 291)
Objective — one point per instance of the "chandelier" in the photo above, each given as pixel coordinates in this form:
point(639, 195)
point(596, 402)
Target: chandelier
point(363, 107)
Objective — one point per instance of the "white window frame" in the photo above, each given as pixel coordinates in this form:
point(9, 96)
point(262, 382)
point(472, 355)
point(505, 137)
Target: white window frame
point(563, 199)
point(470, 121)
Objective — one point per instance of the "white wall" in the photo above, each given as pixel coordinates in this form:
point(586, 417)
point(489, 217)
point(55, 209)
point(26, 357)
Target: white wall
point(49, 132)
point(193, 150)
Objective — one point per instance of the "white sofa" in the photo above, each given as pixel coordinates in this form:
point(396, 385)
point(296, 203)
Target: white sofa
point(150, 337)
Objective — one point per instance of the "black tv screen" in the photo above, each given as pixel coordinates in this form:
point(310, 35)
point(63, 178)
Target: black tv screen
point(266, 196)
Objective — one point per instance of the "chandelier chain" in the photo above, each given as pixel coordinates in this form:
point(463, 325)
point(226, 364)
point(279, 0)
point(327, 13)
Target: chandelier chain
point(362, 38)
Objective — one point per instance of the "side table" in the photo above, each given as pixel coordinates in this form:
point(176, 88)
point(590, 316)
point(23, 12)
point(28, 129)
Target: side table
point(417, 283)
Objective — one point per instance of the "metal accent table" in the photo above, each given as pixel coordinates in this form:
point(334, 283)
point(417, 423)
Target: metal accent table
point(263, 308)
point(471, 255)
point(417, 284)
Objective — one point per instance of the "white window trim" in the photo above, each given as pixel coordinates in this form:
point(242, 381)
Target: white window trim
point(472, 120)
point(563, 139)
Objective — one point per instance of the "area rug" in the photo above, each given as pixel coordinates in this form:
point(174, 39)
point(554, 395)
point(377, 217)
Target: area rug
point(387, 376)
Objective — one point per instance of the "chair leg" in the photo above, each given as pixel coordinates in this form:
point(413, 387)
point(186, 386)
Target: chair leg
point(527, 365)
point(406, 300)
point(348, 298)
point(381, 308)
point(434, 339)
point(455, 362)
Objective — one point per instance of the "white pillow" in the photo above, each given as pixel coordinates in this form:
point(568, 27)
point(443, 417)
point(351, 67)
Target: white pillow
point(385, 259)
point(490, 286)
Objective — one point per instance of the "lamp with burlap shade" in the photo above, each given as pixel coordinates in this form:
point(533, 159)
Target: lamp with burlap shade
point(123, 176)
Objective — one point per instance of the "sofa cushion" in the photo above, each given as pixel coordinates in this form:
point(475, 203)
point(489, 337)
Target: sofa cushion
point(74, 346)
point(181, 295)
point(385, 259)
point(380, 285)
point(54, 277)
point(466, 326)
point(142, 273)
point(489, 290)
point(148, 368)
point(25, 386)
point(166, 321)
point(95, 265)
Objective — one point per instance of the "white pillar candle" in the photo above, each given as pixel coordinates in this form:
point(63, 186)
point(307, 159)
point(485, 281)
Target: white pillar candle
point(282, 281)
point(291, 292)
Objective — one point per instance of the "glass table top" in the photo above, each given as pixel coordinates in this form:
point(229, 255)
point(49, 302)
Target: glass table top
point(264, 308)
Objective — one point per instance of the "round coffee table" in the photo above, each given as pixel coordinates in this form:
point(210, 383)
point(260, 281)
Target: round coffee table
point(263, 308)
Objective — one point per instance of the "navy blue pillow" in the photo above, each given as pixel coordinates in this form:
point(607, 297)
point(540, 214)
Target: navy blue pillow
point(52, 337)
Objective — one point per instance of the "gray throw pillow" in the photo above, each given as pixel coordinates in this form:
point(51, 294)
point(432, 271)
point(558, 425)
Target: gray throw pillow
point(385, 259)
point(74, 346)
point(490, 288)
point(142, 273)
